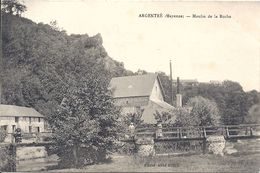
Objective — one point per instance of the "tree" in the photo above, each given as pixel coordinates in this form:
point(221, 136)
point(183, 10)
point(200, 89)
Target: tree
point(134, 118)
point(140, 72)
point(3, 134)
point(166, 84)
point(253, 97)
point(204, 112)
point(13, 6)
point(235, 108)
point(182, 117)
point(64, 78)
point(163, 117)
point(86, 124)
point(253, 115)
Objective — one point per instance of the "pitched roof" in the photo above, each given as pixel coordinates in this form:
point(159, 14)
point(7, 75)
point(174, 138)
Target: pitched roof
point(132, 86)
point(153, 107)
point(162, 104)
point(19, 111)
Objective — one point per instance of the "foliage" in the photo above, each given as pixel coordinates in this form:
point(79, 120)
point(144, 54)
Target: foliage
point(203, 112)
point(183, 117)
point(3, 135)
point(133, 118)
point(254, 115)
point(140, 72)
point(65, 78)
point(162, 117)
point(86, 121)
point(233, 103)
point(40, 60)
point(198, 111)
point(54, 25)
point(12, 6)
point(4, 158)
point(166, 85)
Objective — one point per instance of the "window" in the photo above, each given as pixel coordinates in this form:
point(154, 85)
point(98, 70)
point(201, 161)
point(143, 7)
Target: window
point(30, 120)
point(5, 127)
point(16, 119)
point(38, 129)
point(39, 119)
point(30, 129)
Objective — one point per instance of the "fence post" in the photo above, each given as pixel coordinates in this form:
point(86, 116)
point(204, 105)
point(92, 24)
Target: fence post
point(204, 146)
point(180, 133)
point(204, 141)
point(227, 132)
point(251, 131)
point(158, 133)
point(204, 133)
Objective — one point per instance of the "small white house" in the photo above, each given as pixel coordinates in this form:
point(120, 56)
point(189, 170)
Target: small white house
point(28, 119)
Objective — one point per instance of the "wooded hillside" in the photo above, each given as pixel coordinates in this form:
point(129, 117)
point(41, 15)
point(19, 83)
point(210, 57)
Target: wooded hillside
point(40, 62)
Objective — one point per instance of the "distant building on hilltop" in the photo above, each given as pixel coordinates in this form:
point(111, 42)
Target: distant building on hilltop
point(140, 93)
point(28, 119)
point(186, 82)
point(215, 82)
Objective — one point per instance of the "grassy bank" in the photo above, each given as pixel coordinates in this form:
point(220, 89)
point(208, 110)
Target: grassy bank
point(188, 163)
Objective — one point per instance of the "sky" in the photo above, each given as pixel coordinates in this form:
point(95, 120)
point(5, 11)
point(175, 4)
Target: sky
point(200, 48)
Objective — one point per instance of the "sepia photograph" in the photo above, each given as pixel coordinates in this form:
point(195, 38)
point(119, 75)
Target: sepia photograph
point(129, 86)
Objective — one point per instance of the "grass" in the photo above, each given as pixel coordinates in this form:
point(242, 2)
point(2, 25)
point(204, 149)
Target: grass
point(247, 159)
point(185, 163)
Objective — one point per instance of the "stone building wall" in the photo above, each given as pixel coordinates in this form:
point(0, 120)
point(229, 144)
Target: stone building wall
point(22, 122)
point(132, 101)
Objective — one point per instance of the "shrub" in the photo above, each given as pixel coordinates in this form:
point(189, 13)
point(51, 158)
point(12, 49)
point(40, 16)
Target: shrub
point(3, 135)
point(203, 112)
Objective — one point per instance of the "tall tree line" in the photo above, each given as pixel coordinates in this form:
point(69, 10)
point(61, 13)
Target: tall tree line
point(232, 101)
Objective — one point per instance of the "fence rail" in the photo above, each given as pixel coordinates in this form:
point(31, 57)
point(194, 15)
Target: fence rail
point(168, 133)
point(34, 137)
point(200, 132)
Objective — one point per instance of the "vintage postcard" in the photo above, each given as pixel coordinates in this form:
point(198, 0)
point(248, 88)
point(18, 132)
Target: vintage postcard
point(129, 86)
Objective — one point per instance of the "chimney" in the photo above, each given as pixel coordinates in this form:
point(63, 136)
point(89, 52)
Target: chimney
point(178, 95)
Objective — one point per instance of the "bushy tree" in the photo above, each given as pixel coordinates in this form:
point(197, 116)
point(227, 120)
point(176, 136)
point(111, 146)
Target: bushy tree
point(3, 134)
point(140, 72)
point(166, 84)
point(253, 115)
point(135, 118)
point(233, 103)
point(162, 117)
point(182, 117)
point(253, 97)
point(204, 112)
point(12, 6)
point(86, 124)
point(235, 108)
